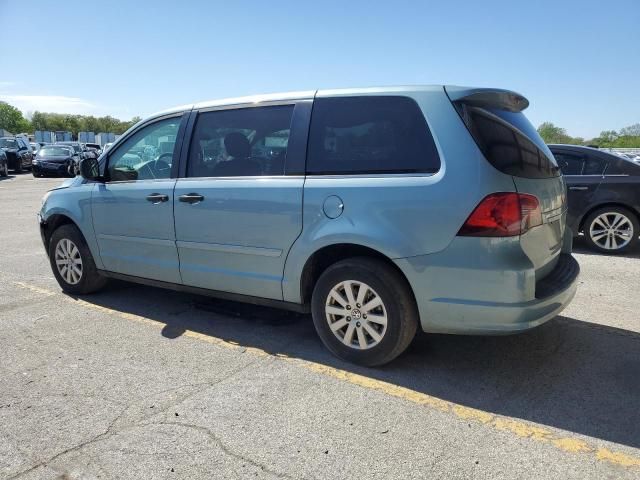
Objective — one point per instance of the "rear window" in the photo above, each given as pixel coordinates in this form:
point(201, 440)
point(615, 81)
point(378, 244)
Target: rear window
point(509, 141)
point(370, 135)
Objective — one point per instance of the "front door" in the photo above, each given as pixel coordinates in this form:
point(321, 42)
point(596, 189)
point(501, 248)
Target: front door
point(133, 210)
point(237, 212)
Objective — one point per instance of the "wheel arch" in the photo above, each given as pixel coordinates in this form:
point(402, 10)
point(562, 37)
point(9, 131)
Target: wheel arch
point(328, 255)
point(54, 222)
point(605, 205)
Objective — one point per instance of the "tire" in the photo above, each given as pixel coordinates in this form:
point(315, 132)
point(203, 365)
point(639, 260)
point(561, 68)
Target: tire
point(89, 280)
point(601, 237)
point(4, 171)
point(18, 168)
point(398, 305)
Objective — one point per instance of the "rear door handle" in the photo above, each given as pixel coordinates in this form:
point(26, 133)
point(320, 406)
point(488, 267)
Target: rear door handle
point(191, 198)
point(578, 188)
point(157, 198)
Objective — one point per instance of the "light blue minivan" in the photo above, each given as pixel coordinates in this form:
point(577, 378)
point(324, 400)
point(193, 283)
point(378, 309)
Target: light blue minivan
point(376, 209)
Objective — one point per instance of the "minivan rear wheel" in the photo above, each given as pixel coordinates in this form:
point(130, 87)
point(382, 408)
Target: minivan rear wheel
point(363, 311)
point(612, 230)
point(72, 262)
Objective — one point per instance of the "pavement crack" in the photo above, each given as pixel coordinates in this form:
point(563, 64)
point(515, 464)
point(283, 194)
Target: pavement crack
point(226, 449)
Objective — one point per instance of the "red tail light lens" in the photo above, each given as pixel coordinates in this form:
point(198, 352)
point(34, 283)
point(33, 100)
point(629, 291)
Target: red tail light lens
point(503, 214)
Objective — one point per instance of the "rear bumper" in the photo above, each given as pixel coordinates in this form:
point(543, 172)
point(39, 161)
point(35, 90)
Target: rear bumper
point(487, 287)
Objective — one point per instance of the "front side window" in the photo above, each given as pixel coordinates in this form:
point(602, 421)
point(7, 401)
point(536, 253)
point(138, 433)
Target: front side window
point(239, 143)
point(147, 154)
point(370, 135)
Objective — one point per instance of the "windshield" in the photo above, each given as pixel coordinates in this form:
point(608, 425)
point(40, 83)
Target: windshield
point(54, 152)
point(75, 147)
point(8, 143)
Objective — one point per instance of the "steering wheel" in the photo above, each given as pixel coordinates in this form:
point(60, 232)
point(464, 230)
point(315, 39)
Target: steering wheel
point(160, 165)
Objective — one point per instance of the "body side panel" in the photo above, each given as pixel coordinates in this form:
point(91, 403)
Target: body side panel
point(399, 215)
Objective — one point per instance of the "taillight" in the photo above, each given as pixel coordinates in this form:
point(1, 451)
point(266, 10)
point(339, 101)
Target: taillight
point(503, 214)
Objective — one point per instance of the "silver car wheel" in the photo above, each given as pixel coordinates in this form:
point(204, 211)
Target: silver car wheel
point(68, 261)
point(611, 230)
point(356, 314)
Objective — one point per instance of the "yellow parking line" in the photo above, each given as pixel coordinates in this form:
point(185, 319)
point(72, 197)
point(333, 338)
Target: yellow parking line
point(504, 424)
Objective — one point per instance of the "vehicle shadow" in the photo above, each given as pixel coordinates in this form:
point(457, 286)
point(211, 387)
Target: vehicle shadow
point(8, 177)
point(568, 374)
point(580, 246)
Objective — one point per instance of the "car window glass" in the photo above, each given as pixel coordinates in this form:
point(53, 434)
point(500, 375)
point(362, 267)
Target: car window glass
point(569, 164)
point(147, 154)
point(370, 134)
point(594, 166)
point(240, 142)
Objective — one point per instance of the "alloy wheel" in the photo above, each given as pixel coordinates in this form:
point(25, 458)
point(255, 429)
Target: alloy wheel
point(356, 314)
point(611, 230)
point(68, 261)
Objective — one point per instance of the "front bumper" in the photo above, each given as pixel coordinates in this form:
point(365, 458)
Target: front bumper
point(487, 287)
point(43, 231)
point(57, 169)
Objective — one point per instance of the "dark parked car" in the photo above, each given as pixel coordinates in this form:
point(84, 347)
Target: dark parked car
point(55, 160)
point(93, 146)
point(4, 164)
point(604, 196)
point(18, 153)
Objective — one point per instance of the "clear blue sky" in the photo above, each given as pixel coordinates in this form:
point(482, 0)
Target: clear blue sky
point(578, 61)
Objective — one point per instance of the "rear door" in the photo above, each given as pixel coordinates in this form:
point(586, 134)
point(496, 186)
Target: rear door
point(133, 210)
point(238, 203)
point(583, 175)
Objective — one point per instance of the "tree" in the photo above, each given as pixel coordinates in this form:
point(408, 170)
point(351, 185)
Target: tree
point(11, 119)
point(631, 130)
point(550, 133)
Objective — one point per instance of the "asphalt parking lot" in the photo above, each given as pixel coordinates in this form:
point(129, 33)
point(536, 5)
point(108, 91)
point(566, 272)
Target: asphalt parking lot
point(137, 382)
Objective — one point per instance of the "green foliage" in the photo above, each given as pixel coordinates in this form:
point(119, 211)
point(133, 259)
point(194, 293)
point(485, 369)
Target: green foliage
point(11, 119)
point(553, 134)
point(628, 137)
point(79, 123)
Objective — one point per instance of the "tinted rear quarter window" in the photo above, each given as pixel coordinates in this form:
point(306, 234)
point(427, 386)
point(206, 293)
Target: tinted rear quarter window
point(508, 141)
point(370, 135)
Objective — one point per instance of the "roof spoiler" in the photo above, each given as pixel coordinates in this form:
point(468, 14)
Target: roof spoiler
point(488, 97)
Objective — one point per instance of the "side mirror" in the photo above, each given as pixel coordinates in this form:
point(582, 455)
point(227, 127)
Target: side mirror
point(90, 169)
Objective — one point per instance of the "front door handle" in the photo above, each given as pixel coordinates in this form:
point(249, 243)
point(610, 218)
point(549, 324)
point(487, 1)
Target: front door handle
point(191, 198)
point(156, 198)
point(578, 188)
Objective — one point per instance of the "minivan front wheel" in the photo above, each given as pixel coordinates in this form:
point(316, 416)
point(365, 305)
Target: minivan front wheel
point(363, 311)
point(612, 230)
point(72, 262)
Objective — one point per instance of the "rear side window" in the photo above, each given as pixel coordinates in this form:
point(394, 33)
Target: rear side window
point(369, 135)
point(569, 164)
point(594, 166)
point(508, 141)
point(240, 143)
point(579, 164)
